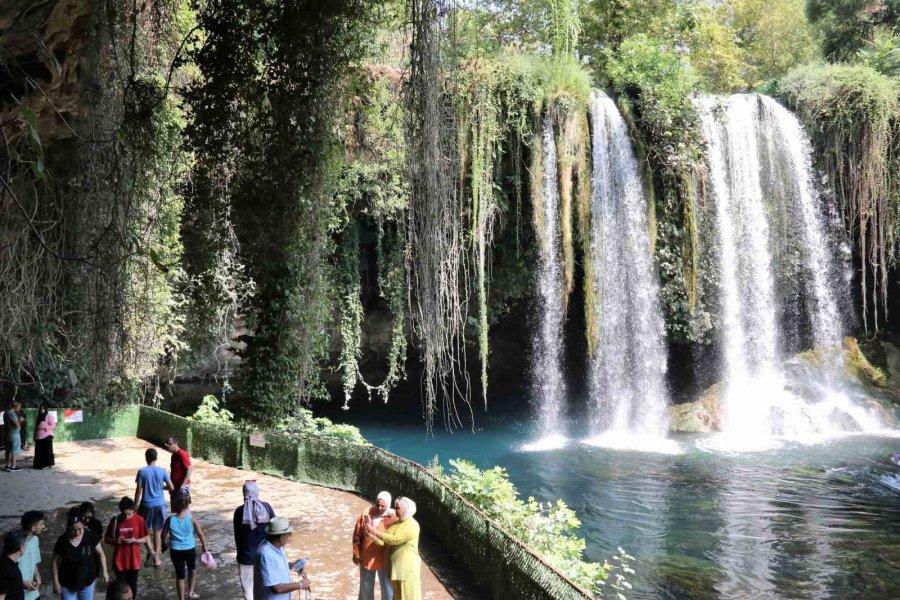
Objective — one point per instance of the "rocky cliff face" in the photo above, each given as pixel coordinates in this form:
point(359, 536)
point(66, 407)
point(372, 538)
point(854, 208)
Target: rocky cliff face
point(43, 45)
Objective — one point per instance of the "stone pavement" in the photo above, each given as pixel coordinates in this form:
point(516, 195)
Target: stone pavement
point(103, 471)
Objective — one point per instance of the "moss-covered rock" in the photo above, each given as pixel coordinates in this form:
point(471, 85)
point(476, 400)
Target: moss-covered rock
point(700, 416)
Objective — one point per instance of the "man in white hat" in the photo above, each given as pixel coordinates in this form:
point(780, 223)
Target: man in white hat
point(272, 571)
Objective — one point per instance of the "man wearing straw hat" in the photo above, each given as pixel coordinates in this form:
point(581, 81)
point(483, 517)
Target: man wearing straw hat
point(272, 571)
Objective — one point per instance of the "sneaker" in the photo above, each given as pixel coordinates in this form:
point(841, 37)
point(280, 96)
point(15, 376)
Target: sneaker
point(13, 469)
point(157, 562)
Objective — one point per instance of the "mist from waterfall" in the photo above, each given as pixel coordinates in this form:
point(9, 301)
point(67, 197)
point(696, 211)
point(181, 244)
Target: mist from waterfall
point(548, 385)
point(627, 370)
point(760, 166)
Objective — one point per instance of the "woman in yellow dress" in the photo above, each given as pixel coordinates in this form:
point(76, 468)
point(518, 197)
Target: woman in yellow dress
point(402, 538)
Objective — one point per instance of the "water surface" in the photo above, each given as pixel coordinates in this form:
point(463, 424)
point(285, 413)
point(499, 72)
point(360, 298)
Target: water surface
point(798, 521)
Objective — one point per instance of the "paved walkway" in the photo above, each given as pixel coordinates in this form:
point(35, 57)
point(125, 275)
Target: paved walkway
point(103, 471)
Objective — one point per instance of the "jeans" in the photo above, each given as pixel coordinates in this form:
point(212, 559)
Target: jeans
point(367, 584)
point(83, 594)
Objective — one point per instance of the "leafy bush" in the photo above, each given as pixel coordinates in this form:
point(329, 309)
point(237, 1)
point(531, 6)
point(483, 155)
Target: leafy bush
point(213, 412)
point(882, 53)
point(549, 529)
point(302, 422)
point(661, 83)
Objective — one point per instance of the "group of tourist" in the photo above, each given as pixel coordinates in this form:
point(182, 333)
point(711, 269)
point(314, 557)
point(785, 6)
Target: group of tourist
point(15, 438)
point(78, 557)
point(385, 543)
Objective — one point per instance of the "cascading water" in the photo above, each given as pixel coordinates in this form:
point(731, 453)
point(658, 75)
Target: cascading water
point(754, 144)
point(627, 376)
point(547, 344)
point(789, 145)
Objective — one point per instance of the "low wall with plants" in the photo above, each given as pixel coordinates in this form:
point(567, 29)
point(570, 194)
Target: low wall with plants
point(95, 425)
point(498, 562)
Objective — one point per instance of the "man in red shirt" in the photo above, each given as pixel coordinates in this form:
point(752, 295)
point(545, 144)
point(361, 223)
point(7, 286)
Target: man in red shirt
point(180, 467)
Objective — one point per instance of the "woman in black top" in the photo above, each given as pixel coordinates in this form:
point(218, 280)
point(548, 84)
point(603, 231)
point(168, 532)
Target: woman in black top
point(74, 562)
point(91, 523)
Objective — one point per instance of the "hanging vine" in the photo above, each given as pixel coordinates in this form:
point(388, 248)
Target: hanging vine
point(435, 228)
point(89, 209)
point(350, 310)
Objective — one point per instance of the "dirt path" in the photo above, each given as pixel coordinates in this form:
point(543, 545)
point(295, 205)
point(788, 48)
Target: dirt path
point(103, 471)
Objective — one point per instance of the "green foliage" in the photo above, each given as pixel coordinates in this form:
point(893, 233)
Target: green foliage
point(373, 184)
point(302, 422)
point(653, 72)
point(529, 26)
point(608, 23)
point(774, 37)
point(213, 412)
point(273, 124)
point(738, 44)
point(349, 300)
point(882, 53)
point(90, 210)
point(549, 529)
point(846, 25)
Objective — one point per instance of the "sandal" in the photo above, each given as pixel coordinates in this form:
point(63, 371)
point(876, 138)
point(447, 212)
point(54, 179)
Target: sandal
point(193, 596)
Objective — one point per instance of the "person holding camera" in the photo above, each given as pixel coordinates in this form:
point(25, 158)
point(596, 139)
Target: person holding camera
point(372, 558)
point(272, 571)
point(403, 540)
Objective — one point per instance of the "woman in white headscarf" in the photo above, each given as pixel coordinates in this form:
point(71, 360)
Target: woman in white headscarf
point(250, 520)
point(402, 539)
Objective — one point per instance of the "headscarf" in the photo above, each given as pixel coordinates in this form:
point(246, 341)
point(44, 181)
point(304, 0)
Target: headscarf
point(409, 507)
point(255, 512)
point(386, 496)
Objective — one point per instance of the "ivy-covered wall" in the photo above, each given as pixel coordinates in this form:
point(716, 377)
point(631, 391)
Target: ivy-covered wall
point(97, 424)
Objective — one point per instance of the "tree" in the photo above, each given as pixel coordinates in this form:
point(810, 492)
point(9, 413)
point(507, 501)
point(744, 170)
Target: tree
point(846, 25)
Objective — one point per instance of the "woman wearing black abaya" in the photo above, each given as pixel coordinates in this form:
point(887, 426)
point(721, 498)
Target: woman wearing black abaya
point(43, 438)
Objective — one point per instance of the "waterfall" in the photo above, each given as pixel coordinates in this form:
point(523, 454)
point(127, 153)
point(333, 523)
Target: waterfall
point(783, 128)
point(627, 370)
point(760, 166)
point(548, 385)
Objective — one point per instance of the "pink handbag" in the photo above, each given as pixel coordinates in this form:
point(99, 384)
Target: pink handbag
point(208, 561)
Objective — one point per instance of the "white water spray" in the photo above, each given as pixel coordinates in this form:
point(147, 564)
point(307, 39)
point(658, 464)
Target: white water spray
point(750, 137)
point(627, 372)
point(548, 385)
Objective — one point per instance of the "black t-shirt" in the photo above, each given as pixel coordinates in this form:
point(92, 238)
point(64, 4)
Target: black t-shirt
point(77, 566)
point(95, 527)
point(11, 579)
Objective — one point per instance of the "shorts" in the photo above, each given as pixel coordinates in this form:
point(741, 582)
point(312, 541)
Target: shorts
point(154, 516)
point(183, 561)
point(14, 443)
